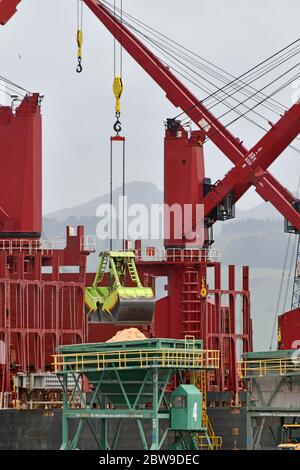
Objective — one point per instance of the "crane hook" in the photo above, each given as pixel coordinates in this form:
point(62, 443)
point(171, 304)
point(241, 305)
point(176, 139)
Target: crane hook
point(203, 292)
point(79, 52)
point(117, 124)
point(118, 90)
point(79, 66)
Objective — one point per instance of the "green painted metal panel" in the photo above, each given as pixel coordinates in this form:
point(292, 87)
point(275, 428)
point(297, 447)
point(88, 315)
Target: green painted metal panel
point(261, 355)
point(157, 343)
point(132, 381)
point(145, 354)
point(186, 411)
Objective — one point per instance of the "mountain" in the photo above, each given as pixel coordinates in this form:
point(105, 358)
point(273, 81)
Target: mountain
point(247, 242)
point(136, 192)
point(148, 193)
point(244, 240)
point(261, 211)
point(255, 238)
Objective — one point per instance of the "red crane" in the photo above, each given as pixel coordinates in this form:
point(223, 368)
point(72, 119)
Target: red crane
point(7, 9)
point(250, 165)
point(183, 312)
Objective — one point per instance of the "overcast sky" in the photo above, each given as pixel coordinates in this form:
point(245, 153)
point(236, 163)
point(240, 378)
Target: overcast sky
point(38, 51)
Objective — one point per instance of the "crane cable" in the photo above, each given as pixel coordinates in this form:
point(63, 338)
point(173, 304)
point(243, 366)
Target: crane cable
point(282, 279)
point(293, 262)
point(188, 76)
point(185, 54)
point(295, 303)
point(233, 83)
point(16, 89)
point(210, 68)
point(244, 84)
point(11, 89)
point(79, 36)
point(117, 91)
point(118, 82)
point(241, 76)
point(277, 90)
point(230, 95)
point(257, 92)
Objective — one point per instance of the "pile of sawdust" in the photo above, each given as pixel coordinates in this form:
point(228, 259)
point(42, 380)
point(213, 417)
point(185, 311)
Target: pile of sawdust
point(130, 334)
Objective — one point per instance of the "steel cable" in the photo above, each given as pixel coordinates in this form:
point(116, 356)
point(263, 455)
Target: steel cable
point(271, 66)
point(217, 75)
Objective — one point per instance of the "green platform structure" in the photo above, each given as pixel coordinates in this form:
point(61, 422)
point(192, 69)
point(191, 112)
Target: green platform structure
point(132, 380)
point(272, 379)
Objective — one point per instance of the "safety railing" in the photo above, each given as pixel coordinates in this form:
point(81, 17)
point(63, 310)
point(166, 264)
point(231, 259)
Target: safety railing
point(88, 243)
point(202, 442)
point(20, 245)
point(126, 359)
point(31, 246)
point(46, 247)
point(198, 378)
point(264, 367)
point(177, 255)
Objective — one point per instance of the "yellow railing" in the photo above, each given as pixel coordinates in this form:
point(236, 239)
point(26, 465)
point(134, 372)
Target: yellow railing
point(261, 368)
point(198, 378)
point(216, 442)
point(122, 359)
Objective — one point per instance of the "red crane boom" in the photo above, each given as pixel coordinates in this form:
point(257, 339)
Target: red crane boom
point(7, 9)
point(251, 166)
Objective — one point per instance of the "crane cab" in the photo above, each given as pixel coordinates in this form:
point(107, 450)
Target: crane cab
point(186, 411)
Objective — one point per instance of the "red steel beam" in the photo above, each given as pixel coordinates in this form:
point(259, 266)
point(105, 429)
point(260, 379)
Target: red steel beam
point(176, 92)
point(241, 189)
point(181, 97)
point(270, 193)
point(250, 168)
point(7, 9)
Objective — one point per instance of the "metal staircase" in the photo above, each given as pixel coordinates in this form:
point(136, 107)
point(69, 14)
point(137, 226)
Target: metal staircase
point(191, 304)
point(133, 272)
point(208, 440)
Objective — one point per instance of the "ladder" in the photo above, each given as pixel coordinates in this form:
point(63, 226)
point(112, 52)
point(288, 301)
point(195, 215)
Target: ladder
point(101, 270)
point(133, 272)
point(208, 441)
point(191, 304)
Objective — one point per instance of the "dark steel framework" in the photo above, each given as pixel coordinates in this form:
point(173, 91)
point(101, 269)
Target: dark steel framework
point(272, 381)
point(41, 306)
